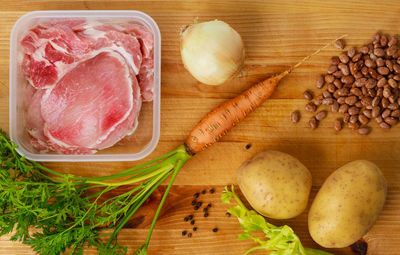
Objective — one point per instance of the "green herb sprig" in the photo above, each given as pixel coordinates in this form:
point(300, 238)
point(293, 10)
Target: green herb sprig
point(51, 211)
point(279, 240)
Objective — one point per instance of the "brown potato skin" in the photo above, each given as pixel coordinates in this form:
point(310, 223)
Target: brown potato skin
point(347, 205)
point(276, 184)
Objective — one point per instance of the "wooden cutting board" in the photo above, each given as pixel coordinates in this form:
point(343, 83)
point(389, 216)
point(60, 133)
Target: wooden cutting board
point(276, 34)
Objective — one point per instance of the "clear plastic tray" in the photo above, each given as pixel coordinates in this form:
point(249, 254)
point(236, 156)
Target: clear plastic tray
point(134, 147)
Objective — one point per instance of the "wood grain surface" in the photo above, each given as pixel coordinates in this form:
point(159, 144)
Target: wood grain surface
point(276, 34)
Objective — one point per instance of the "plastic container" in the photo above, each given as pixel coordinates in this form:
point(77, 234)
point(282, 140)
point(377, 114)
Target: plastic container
point(134, 147)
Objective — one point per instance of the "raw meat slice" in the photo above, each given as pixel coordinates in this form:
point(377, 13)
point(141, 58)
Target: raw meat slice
point(144, 35)
point(35, 122)
point(146, 79)
point(89, 102)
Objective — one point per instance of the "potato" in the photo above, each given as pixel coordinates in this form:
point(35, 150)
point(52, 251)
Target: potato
point(276, 184)
point(347, 205)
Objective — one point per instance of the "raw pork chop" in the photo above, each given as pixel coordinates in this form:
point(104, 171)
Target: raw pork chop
point(87, 82)
point(89, 103)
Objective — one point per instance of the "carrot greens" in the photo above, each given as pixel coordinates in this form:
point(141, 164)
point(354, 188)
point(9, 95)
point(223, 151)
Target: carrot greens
point(51, 211)
point(279, 240)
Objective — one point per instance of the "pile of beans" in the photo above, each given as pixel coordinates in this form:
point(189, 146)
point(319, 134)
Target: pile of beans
point(362, 84)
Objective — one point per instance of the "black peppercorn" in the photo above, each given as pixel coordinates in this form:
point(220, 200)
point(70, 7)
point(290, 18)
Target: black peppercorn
point(184, 232)
point(209, 205)
point(212, 191)
point(192, 222)
point(199, 204)
point(206, 215)
point(228, 214)
point(196, 208)
point(190, 217)
point(215, 230)
point(186, 219)
point(203, 191)
point(248, 146)
point(190, 235)
point(195, 229)
point(196, 195)
point(205, 209)
point(194, 202)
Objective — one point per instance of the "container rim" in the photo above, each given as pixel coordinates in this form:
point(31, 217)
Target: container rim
point(148, 148)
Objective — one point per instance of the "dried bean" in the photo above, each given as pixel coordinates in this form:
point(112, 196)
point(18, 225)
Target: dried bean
point(344, 58)
point(353, 126)
point(343, 108)
point(395, 113)
point(376, 101)
point(389, 65)
point(335, 60)
point(384, 125)
point(338, 84)
point(313, 123)
point(363, 119)
point(383, 70)
point(334, 107)
point(356, 57)
point(344, 69)
point(332, 69)
point(384, 102)
point(393, 106)
point(326, 94)
point(351, 52)
point(351, 100)
point(367, 113)
point(364, 50)
point(321, 115)
point(396, 68)
point(391, 120)
point(358, 104)
point(371, 83)
point(320, 81)
point(337, 125)
point(318, 100)
point(353, 119)
point(340, 44)
point(353, 110)
point(386, 113)
point(356, 91)
point(380, 62)
point(383, 40)
point(376, 111)
point(393, 83)
point(295, 117)
point(392, 41)
point(329, 78)
point(364, 131)
point(347, 79)
point(307, 95)
point(370, 63)
point(381, 82)
point(327, 101)
point(379, 52)
point(331, 88)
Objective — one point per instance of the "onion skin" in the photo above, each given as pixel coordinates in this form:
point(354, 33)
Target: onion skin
point(213, 52)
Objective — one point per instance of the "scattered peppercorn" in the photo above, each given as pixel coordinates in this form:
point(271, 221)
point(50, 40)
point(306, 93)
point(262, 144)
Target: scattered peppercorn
point(228, 214)
point(205, 209)
point(190, 217)
point(212, 191)
point(199, 204)
point(203, 191)
point(196, 208)
point(194, 202)
point(195, 229)
point(196, 195)
point(186, 219)
point(192, 222)
point(209, 205)
point(215, 230)
point(184, 232)
point(206, 215)
point(248, 146)
point(190, 235)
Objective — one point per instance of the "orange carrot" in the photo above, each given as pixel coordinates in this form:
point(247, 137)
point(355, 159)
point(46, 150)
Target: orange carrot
point(224, 117)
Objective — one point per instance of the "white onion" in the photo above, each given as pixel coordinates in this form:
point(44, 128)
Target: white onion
point(212, 51)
